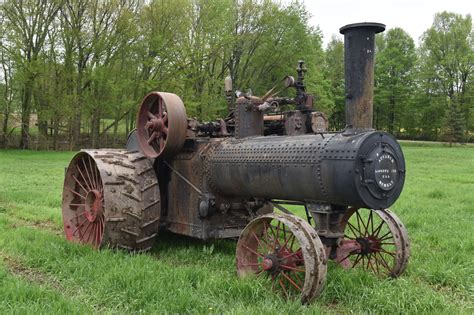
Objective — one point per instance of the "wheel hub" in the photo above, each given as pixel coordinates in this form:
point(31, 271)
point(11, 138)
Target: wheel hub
point(93, 205)
point(268, 263)
point(156, 124)
point(367, 245)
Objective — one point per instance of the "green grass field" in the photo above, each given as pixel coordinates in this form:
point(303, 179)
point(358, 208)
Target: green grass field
point(40, 272)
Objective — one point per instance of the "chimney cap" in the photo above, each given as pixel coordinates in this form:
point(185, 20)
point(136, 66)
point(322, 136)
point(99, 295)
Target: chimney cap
point(377, 27)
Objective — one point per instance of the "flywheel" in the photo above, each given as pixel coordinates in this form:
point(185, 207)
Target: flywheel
point(111, 198)
point(161, 124)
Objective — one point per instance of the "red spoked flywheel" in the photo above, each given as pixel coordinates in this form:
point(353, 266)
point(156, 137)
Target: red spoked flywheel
point(161, 124)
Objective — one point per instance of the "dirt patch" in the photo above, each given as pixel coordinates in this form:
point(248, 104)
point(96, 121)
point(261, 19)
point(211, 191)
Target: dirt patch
point(17, 268)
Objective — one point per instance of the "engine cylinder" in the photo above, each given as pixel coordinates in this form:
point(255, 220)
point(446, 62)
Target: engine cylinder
point(362, 170)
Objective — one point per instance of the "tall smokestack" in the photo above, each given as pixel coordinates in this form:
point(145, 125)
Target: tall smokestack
point(359, 48)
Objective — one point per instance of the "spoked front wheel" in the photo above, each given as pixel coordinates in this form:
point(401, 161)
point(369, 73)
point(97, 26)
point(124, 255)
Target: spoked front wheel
point(375, 240)
point(285, 249)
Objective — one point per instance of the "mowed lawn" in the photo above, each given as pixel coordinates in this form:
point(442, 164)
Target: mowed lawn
point(40, 272)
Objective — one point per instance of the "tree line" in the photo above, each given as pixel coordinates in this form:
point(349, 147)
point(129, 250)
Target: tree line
point(82, 66)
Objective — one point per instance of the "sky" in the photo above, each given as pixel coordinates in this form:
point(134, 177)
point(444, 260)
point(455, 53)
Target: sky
point(414, 16)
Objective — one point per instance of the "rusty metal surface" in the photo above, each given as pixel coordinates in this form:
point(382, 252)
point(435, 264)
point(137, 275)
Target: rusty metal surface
point(286, 249)
point(248, 122)
point(359, 50)
point(375, 240)
point(191, 209)
point(161, 124)
point(295, 123)
point(335, 168)
point(111, 198)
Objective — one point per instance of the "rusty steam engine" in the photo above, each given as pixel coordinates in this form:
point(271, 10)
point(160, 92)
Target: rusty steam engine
point(235, 177)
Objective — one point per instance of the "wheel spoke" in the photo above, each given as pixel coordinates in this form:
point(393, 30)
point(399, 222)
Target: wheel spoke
point(370, 222)
point(152, 137)
point(94, 173)
point(265, 237)
point(151, 115)
point(278, 232)
point(286, 243)
point(384, 262)
point(361, 221)
point(77, 194)
point(291, 281)
point(252, 251)
point(88, 175)
point(99, 228)
point(77, 181)
point(82, 234)
point(79, 226)
point(376, 262)
point(352, 227)
point(82, 175)
point(293, 238)
point(378, 229)
point(371, 264)
point(91, 232)
point(296, 274)
point(358, 258)
point(384, 237)
point(390, 243)
point(290, 255)
point(275, 235)
point(283, 287)
point(257, 239)
point(387, 252)
point(291, 268)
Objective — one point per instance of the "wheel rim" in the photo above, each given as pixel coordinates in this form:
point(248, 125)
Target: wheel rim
point(286, 251)
point(374, 240)
point(161, 125)
point(83, 208)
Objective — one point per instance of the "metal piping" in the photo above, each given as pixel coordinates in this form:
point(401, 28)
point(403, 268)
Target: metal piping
point(359, 49)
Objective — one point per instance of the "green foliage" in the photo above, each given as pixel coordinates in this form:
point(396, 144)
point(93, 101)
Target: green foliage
point(453, 123)
point(334, 72)
point(395, 60)
point(447, 68)
point(87, 63)
point(42, 273)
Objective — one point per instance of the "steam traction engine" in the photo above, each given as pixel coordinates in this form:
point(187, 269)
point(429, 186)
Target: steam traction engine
point(224, 179)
